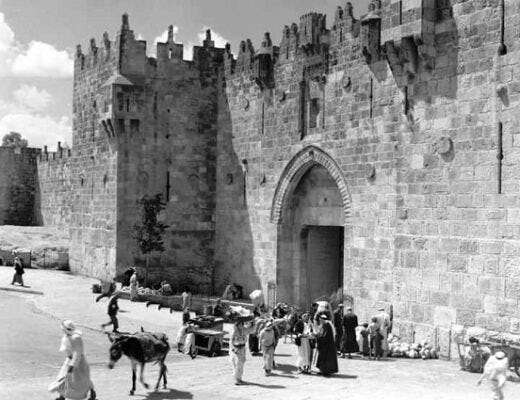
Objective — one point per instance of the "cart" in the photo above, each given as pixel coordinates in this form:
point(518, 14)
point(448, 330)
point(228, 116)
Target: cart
point(512, 351)
point(209, 341)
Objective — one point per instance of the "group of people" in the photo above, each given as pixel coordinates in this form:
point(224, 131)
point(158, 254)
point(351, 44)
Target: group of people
point(374, 336)
point(320, 336)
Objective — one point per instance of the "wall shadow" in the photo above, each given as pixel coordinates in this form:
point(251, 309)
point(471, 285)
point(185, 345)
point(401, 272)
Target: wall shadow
point(234, 258)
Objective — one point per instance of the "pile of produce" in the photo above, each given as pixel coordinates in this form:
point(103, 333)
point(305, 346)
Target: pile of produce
point(239, 313)
point(415, 350)
point(141, 290)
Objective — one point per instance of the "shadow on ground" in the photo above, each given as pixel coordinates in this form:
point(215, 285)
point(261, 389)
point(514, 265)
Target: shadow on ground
point(263, 386)
point(168, 394)
point(286, 368)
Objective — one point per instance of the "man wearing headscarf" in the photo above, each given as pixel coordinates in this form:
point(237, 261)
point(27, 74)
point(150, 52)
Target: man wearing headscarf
point(267, 344)
point(327, 361)
point(383, 320)
point(304, 333)
point(237, 350)
point(496, 371)
point(73, 380)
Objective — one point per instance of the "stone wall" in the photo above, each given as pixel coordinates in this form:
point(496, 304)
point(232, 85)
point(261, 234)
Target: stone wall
point(93, 166)
point(55, 194)
point(411, 116)
point(411, 111)
point(18, 186)
point(171, 150)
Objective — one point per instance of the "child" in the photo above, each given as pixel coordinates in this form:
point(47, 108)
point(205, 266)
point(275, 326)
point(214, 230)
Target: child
point(365, 347)
point(376, 338)
point(496, 371)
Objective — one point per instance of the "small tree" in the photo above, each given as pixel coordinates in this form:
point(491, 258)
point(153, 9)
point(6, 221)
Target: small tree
point(14, 139)
point(148, 233)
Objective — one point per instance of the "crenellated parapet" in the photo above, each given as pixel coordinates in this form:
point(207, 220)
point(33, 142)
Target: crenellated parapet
point(371, 32)
point(408, 35)
point(245, 58)
point(62, 154)
point(345, 25)
point(263, 66)
point(289, 43)
point(95, 58)
point(169, 51)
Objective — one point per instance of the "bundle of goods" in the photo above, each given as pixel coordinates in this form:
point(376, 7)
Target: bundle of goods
point(204, 321)
point(415, 350)
point(257, 298)
point(239, 314)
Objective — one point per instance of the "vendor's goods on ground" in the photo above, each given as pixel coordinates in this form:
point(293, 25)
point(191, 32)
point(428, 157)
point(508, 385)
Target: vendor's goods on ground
point(422, 350)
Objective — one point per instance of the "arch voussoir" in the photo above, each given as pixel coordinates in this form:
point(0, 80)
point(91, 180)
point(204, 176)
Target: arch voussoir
point(295, 169)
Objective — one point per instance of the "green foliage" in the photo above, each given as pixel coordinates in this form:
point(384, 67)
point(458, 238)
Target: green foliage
point(14, 139)
point(148, 233)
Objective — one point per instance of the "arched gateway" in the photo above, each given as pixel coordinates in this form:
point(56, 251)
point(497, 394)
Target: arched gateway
point(311, 207)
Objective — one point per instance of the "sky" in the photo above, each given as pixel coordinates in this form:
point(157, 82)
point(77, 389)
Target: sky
point(38, 39)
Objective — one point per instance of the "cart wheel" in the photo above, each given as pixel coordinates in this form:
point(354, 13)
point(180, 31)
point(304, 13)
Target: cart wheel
point(215, 350)
point(516, 365)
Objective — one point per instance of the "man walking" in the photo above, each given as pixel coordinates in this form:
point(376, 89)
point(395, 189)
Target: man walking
point(496, 371)
point(112, 313)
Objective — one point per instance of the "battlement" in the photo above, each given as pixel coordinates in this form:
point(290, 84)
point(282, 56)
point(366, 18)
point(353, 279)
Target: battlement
point(95, 55)
point(61, 153)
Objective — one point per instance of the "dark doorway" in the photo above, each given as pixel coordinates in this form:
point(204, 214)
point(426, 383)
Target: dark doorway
point(322, 267)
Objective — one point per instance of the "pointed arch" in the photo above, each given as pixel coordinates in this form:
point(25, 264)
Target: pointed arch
point(296, 168)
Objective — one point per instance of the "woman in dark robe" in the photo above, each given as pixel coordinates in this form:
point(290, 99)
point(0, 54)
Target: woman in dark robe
point(327, 361)
point(350, 344)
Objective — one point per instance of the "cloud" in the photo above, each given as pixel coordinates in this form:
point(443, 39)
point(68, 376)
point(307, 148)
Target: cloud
point(39, 130)
point(219, 40)
point(6, 35)
point(39, 60)
point(32, 98)
point(43, 60)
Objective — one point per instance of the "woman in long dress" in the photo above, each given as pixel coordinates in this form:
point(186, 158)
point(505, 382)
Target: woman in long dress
point(73, 380)
point(304, 333)
point(327, 361)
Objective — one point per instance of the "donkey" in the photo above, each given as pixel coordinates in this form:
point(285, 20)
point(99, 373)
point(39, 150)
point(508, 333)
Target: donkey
point(140, 348)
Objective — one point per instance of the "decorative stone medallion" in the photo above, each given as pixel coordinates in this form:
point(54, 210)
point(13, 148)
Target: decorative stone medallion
point(280, 95)
point(445, 144)
point(370, 171)
point(244, 103)
point(346, 83)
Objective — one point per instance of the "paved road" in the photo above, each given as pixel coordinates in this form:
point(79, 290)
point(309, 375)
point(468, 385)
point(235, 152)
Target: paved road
point(30, 359)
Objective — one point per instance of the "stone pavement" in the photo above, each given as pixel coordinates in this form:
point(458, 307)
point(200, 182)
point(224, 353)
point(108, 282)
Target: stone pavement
point(67, 296)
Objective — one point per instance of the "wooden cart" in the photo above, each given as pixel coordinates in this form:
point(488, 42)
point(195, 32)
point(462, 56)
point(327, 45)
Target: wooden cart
point(209, 341)
point(512, 351)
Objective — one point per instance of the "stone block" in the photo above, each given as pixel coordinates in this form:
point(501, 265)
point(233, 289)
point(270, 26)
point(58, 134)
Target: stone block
point(513, 288)
point(444, 316)
point(457, 263)
point(466, 317)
